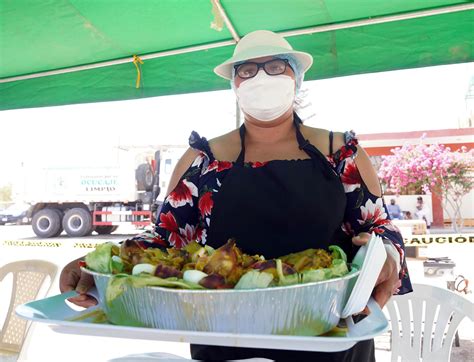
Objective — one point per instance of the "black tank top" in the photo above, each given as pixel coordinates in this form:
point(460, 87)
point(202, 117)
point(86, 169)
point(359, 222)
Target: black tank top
point(283, 207)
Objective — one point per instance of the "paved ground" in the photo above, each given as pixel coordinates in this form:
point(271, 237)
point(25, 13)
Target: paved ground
point(18, 242)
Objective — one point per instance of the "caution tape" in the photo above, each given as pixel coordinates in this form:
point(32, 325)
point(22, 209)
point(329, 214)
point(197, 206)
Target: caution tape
point(85, 245)
point(50, 244)
point(433, 239)
point(28, 243)
point(415, 240)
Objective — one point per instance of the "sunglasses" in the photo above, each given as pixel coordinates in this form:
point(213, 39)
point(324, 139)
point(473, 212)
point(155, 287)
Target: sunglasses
point(271, 67)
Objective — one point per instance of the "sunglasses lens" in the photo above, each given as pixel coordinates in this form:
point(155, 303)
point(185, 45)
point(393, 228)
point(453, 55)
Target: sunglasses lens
point(275, 67)
point(247, 70)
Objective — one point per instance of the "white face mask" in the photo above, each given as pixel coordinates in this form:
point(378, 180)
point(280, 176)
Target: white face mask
point(266, 97)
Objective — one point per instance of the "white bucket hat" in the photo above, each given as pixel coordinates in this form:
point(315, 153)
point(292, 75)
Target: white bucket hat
point(261, 43)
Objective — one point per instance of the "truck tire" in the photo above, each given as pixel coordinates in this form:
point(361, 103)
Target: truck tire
point(146, 197)
point(105, 229)
point(46, 223)
point(60, 215)
point(144, 176)
point(77, 222)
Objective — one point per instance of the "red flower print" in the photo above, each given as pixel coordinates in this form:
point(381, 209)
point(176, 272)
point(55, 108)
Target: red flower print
point(198, 160)
point(223, 165)
point(346, 151)
point(347, 228)
point(168, 222)
point(205, 204)
point(350, 178)
point(151, 237)
point(201, 235)
point(176, 240)
point(187, 233)
point(218, 166)
point(182, 194)
point(376, 230)
point(373, 214)
point(351, 174)
point(258, 164)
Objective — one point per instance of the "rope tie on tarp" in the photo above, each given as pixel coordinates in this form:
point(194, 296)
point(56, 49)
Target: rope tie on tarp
point(137, 61)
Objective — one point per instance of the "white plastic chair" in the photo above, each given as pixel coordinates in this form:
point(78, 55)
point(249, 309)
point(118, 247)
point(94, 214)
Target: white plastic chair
point(424, 323)
point(30, 279)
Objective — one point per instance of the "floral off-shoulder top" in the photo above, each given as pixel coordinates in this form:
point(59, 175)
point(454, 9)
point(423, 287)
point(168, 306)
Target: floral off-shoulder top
point(186, 213)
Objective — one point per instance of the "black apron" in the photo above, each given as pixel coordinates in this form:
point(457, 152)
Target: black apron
point(283, 207)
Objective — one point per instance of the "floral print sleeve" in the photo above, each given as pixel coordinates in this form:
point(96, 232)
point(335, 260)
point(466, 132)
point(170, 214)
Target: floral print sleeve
point(366, 212)
point(185, 214)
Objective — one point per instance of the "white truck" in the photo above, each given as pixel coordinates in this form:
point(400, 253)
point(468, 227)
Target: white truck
point(80, 200)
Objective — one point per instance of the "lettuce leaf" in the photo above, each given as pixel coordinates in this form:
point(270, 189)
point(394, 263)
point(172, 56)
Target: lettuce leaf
point(254, 279)
point(315, 275)
point(116, 264)
point(337, 253)
point(100, 260)
point(338, 269)
point(285, 279)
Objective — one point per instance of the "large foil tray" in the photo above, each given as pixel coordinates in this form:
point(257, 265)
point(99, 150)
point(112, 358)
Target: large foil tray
point(55, 312)
point(307, 309)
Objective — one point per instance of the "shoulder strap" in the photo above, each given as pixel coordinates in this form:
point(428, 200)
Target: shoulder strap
point(240, 160)
point(316, 155)
point(331, 136)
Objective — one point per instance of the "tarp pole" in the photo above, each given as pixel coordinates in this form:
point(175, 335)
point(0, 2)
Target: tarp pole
point(226, 19)
point(380, 20)
point(119, 61)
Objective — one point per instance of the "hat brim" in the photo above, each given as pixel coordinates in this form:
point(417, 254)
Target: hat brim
point(224, 70)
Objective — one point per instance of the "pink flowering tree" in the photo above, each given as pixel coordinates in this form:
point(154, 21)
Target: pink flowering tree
point(433, 168)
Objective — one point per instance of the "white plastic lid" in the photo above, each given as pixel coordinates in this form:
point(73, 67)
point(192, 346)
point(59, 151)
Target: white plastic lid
point(370, 259)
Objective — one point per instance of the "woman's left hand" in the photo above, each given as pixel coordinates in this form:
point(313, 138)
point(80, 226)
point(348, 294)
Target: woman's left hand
point(388, 281)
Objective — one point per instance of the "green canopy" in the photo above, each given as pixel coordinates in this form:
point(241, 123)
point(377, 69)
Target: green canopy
point(42, 43)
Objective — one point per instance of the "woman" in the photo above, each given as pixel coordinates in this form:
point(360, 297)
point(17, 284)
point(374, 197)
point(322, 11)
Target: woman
point(274, 185)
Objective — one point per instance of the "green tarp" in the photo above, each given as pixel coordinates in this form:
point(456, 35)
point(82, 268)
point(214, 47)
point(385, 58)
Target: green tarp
point(40, 36)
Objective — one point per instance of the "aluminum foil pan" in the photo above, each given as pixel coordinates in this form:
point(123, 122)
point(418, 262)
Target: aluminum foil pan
point(303, 309)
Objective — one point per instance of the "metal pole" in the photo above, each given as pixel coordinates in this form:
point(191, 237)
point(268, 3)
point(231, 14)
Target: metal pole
point(119, 61)
point(226, 19)
point(380, 20)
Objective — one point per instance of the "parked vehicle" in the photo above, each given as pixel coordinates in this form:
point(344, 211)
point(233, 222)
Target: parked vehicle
point(15, 214)
point(80, 200)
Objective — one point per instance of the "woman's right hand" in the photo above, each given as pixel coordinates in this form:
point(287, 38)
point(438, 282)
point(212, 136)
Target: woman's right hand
point(72, 278)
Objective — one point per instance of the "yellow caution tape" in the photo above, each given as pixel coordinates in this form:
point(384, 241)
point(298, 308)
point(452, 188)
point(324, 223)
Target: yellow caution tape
point(415, 240)
point(47, 244)
point(432, 239)
point(50, 244)
point(85, 245)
